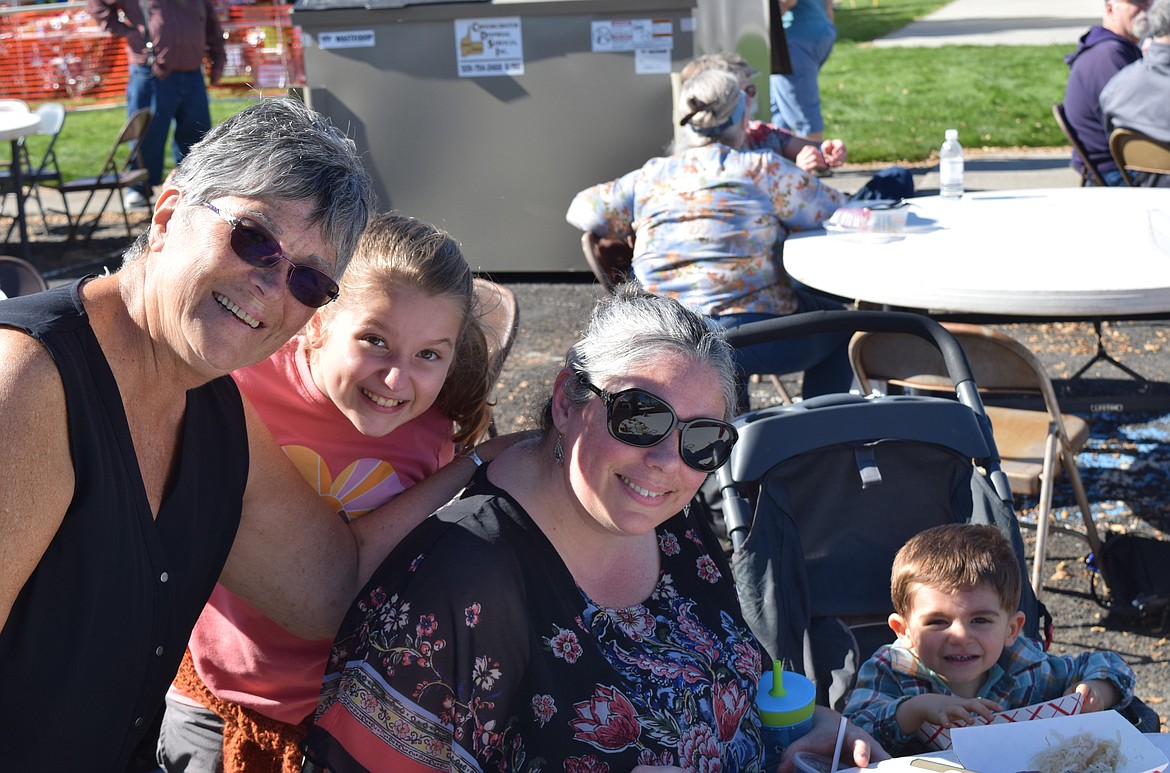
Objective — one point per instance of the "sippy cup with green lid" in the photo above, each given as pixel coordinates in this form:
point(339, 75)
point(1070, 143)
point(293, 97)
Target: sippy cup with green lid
point(785, 700)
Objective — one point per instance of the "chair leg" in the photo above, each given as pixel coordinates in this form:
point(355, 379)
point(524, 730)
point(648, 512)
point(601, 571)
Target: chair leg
point(74, 225)
point(36, 193)
point(65, 206)
point(1068, 459)
point(125, 215)
point(97, 220)
point(780, 390)
point(1051, 450)
point(11, 228)
point(12, 225)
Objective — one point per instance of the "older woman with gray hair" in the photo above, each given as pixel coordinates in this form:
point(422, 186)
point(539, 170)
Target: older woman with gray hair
point(566, 612)
point(136, 476)
point(708, 224)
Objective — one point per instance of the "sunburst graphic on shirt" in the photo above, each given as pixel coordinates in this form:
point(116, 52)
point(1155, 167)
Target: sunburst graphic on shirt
point(363, 485)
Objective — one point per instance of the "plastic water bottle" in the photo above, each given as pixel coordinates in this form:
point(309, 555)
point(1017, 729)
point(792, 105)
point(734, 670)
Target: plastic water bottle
point(950, 166)
point(786, 701)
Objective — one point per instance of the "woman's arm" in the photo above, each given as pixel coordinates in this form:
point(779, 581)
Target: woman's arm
point(377, 536)
point(606, 209)
point(35, 457)
point(293, 559)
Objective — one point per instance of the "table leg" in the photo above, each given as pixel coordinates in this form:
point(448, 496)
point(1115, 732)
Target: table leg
point(1103, 355)
point(18, 188)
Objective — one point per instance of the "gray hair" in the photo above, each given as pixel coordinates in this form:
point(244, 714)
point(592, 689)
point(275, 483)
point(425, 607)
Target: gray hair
point(729, 61)
point(711, 105)
point(280, 149)
point(1154, 23)
point(631, 330)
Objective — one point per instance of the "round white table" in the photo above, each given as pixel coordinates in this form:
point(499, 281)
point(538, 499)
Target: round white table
point(1089, 253)
point(13, 126)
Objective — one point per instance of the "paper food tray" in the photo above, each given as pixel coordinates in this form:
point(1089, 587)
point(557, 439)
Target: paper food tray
point(1013, 745)
point(935, 737)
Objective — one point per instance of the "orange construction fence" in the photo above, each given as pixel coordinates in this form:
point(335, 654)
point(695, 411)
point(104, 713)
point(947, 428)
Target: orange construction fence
point(56, 52)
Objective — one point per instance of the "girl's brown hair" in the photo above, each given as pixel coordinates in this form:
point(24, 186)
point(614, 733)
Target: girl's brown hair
point(396, 252)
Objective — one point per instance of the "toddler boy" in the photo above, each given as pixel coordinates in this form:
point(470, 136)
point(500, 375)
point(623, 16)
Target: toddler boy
point(959, 653)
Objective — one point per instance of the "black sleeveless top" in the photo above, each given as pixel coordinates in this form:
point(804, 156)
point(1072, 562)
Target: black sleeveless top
point(96, 634)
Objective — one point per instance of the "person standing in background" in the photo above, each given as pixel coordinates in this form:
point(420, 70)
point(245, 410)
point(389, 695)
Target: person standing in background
point(166, 54)
point(796, 98)
point(1100, 54)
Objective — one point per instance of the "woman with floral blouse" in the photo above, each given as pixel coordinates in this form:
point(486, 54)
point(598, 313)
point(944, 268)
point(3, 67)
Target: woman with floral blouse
point(709, 222)
point(566, 613)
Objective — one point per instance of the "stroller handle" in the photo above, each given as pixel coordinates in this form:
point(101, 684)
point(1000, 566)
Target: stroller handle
point(813, 322)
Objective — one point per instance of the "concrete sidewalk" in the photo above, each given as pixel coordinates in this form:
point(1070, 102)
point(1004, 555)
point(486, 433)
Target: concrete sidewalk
point(1000, 23)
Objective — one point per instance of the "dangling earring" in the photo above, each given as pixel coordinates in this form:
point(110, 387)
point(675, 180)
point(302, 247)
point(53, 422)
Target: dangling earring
point(558, 452)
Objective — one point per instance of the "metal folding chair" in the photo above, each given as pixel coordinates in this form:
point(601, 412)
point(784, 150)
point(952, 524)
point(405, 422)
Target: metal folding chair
point(1033, 444)
point(1133, 151)
point(121, 170)
point(499, 315)
point(1088, 171)
point(19, 277)
point(47, 170)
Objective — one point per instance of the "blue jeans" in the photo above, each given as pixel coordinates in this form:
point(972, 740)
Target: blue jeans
point(824, 357)
point(1112, 178)
point(796, 97)
point(181, 98)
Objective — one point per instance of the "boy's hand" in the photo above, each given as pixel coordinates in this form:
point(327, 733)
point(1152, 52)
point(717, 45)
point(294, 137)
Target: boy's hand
point(1097, 695)
point(942, 710)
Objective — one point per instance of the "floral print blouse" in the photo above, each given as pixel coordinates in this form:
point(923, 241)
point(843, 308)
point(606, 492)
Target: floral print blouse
point(472, 648)
point(709, 223)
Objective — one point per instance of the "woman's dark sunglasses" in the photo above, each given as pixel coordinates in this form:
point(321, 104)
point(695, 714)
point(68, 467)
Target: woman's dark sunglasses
point(638, 418)
point(258, 248)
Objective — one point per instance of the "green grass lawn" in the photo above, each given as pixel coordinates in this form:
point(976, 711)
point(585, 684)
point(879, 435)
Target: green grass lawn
point(862, 21)
point(892, 104)
point(889, 104)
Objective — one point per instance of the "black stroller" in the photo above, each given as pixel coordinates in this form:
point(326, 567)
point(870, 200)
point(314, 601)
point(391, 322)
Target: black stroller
point(818, 497)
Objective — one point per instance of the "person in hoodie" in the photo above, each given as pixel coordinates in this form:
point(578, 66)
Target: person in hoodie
point(1100, 54)
point(1137, 97)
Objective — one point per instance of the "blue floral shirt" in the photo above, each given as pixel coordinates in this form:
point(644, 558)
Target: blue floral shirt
point(1023, 675)
point(472, 648)
point(709, 223)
